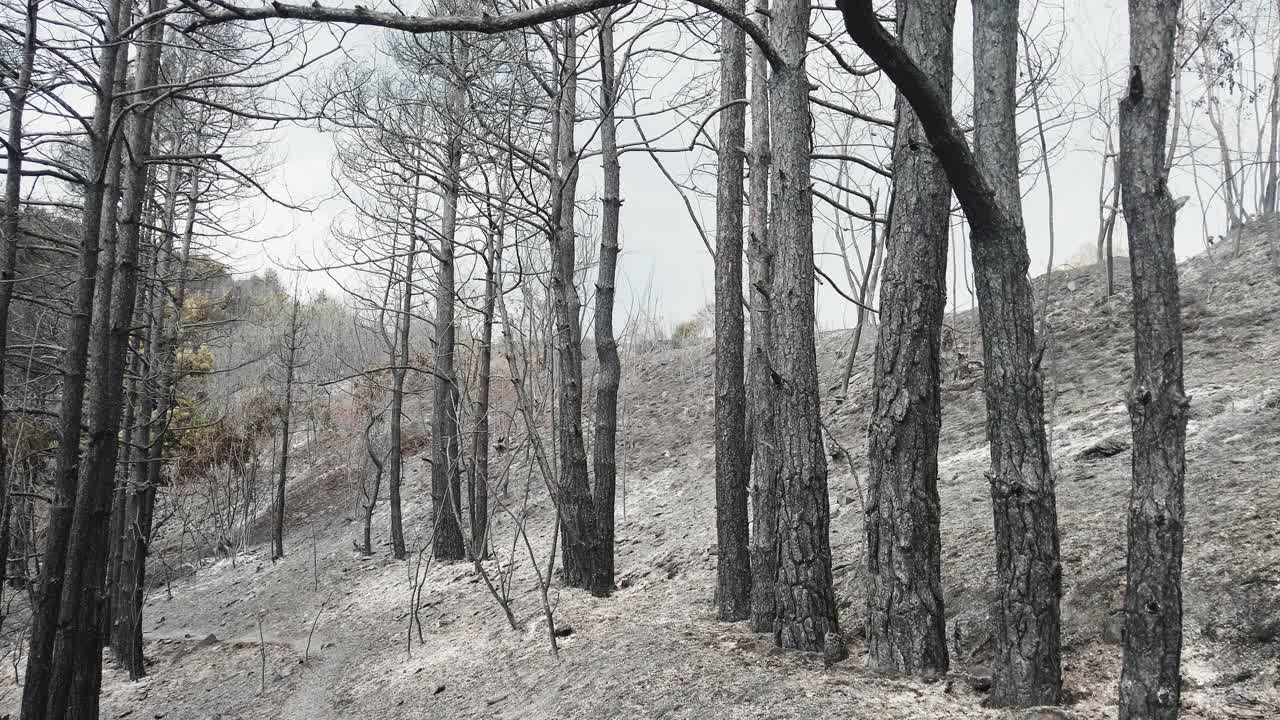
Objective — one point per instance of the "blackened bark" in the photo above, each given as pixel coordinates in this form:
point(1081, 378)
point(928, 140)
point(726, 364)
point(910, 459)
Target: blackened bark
point(806, 616)
point(290, 357)
point(1149, 680)
point(45, 619)
point(141, 497)
point(763, 461)
point(906, 625)
point(395, 463)
point(579, 533)
point(374, 455)
point(9, 225)
point(446, 459)
point(733, 562)
point(1028, 662)
point(478, 494)
point(77, 667)
point(604, 445)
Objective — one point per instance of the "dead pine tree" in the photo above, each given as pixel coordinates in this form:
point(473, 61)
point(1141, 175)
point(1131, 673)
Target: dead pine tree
point(733, 564)
point(1150, 681)
point(906, 628)
point(293, 340)
point(1028, 664)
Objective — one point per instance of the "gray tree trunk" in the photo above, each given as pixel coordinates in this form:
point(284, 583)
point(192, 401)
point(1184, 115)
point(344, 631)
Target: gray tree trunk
point(9, 227)
point(1028, 663)
point(395, 462)
point(805, 614)
point(733, 560)
point(1150, 680)
point(763, 460)
point(906, 623)
point(604, 445)
point(446, 458)
point(580, 536)
point(77, 668)
point(292, 344)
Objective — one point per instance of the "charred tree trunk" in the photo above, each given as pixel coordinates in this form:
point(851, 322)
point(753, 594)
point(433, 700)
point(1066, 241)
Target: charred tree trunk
point(141, 497)
point(604, 447)
point(580, 537)
point(805, 614)
point(1028, 662)
point(479, 483)
point(289, 356)
point(446, 458)
point(1150, 680)
point(763, 461)
point(77, 668)
point(48, 611)
point(733, 561)
point(9, 228)
point(906, 625)
point(395, 462)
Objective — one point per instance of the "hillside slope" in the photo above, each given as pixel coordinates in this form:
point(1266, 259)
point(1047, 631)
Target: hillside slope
point(653, 651)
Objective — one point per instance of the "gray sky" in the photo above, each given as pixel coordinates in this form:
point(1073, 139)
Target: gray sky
point(660, 244)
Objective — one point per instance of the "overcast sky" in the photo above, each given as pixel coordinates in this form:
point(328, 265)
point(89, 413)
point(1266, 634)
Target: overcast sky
point(660, 244)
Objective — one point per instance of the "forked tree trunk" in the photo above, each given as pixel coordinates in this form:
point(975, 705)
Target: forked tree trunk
point(77, 669)
point(906, 624)
point(395, 462)
point(45, 618)
point(1028, 663)
point(805, 615)
point(763, 460)
point(1150, 680)
point(604, 445)
point(733, 561)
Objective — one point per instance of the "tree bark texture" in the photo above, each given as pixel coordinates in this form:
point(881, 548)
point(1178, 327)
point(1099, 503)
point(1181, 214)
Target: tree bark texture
point(1150, 680)
point(579, 532)
point(906, 623)
point(609, 379)
point(733, 561)
point(1028, 663)
point(805, 614)
point(763, 459)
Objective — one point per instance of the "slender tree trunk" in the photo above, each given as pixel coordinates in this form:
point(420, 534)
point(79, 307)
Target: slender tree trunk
point(479, 491)
point(395, 471)
point(286, 415)
point(604, 446)
point(375, 459)
point(906, 623)
point(1150, 680)
point(9, 229)
point(806, 617)
point(579, 533)
point(763, 461)
point(140, 501)
point(1028, 664)
point(733, 563)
